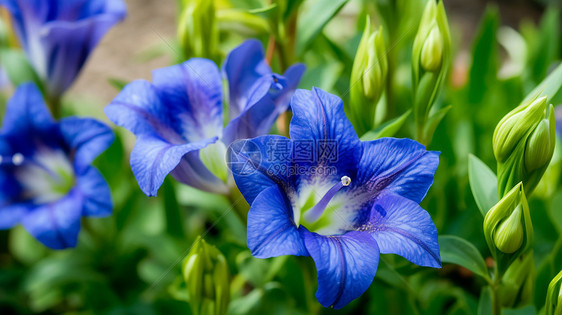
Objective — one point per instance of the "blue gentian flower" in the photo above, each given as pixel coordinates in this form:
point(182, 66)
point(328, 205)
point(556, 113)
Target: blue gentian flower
point(47, 182)
point(59, 35)
point(326, 194)
point(178, 118)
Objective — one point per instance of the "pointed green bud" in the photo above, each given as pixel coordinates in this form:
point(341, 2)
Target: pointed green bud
point(508, 229)
point(197, 29)
point(553, 305)
point(431, 58)
point(515, 125)
point(509, 234)
point(432, 51)
point(205, 272)
point(213, 157)
point(539, 147)
point(368, 78)
point(524, 142)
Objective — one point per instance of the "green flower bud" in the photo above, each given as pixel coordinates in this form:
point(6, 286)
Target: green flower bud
point(524, 142)
point(205, 271)
point(518, 283)
point(213, 157)
point(432, 51)
point(431, 57)
point(197, 29)
point(368, 77)
point(553, 305)
point(508, 229)
point(509, 234)
point(515, 125)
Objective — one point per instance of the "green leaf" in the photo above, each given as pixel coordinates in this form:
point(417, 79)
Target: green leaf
point(483, 183)
point(433, 122)
point(485, 57)
point(549, 86)
point(17, 67)
point(118, 84)
point(174, 218)
point(485, 303)
point(527, 310)
point(456, 250)
point(388, 129)
point(313, 20)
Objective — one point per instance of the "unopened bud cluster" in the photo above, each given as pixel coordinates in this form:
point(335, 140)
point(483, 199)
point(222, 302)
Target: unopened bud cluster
point(524, 142)
point(205, 271)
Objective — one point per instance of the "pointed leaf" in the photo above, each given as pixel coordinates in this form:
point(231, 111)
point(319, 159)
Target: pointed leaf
point(483, 183)
point(388, 129)
point(433, 122)
point(459, 251)
point(313, 20)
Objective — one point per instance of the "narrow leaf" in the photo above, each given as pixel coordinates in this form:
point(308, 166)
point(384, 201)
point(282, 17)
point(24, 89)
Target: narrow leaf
point(485, 303)
point(311, 23)
point(483, 183)
point(458, 251)
point(549, 86)
point(388, 129)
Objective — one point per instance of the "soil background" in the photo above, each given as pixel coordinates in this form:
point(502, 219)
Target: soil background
point(152, 22)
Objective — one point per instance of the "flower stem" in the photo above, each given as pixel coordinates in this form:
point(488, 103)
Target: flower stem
point(54, 103)
point(496, 301)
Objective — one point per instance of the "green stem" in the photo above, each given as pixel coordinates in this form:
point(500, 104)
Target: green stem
point(309, 273)
point(239, 204)
point(496, 301)
point(54, 104)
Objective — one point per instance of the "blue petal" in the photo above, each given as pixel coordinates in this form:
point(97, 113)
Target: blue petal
point(11, 215)
point(268, 97)
point(56, 224)
point(192, 93)
point(346, 265)
point(256, 166)
point(255, 121)
point(138, 108)
point(319, 116)
point(291, 79)
point(400, 226)
point(67, 44)
point(192, 172)
point(86, 138)
point(153, 158)
point(243, 66)
point(95, 193)
point(27, 113)
point(271, 229)
point(400, 166)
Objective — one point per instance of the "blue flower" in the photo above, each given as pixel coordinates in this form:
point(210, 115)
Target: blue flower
point(178, 118)
point(58, 35)
point(326, 194)
point(47, 182)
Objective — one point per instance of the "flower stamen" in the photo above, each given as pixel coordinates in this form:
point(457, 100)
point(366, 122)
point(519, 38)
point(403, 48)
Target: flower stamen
point(315, 213)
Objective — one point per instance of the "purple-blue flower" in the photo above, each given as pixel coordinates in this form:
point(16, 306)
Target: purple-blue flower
point(59, 35)
point(46, 178)
point(326, 194)
point(178, 117)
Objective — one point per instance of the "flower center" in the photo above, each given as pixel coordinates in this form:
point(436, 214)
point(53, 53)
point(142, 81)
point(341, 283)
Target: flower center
point(313, 214)
point(44, 177)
